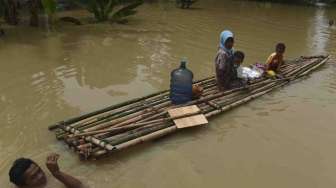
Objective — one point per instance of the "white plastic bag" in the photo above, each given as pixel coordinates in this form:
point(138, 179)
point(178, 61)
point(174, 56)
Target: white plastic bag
point(248, 73)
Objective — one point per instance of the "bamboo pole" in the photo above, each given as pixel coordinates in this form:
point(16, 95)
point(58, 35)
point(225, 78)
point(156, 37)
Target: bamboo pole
point(144, 113)
point(75, 119)
point(124, 117)
point(133, 125)
point(306, 65)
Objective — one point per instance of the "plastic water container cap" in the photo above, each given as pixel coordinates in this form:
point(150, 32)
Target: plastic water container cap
point(183, 62)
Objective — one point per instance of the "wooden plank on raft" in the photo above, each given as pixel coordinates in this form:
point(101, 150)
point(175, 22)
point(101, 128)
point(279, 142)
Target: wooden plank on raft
point(183, 111)
point(191, 121)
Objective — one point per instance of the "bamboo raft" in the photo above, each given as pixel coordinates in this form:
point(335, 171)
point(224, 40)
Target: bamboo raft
point(120, 126)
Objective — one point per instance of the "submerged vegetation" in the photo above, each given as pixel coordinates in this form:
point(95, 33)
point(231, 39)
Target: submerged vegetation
point(49, 7)
point(12, 11)
point(184, 4)
point(114, 10)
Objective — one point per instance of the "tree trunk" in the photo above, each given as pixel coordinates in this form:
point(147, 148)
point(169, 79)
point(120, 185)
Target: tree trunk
point(2, 32)
point(11, 12)
point(34, 11)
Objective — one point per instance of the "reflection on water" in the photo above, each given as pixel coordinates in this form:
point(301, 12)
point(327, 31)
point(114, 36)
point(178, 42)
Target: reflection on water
point(320, 35)
point(286, 135)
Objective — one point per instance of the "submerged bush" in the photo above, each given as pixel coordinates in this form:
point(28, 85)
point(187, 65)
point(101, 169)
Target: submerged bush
point(114, 10)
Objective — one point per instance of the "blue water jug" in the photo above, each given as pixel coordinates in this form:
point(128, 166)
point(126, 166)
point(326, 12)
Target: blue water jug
point(181, 84)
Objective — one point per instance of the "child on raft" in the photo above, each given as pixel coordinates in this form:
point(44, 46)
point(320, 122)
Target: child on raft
point(275, 60)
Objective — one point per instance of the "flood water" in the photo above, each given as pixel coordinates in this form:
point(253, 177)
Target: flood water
point(283, 139)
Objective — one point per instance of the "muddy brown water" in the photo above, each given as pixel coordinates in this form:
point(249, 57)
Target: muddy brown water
point(283, 139)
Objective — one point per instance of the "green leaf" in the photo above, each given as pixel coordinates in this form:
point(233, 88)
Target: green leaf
point(102, 9)
point(49, 6)
point(127, 10)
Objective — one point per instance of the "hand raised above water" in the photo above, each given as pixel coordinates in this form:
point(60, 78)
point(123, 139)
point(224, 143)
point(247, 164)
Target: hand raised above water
point(52, 164)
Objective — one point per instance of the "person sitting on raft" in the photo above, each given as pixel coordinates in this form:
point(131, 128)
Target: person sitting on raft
point(275, 60)
point(230, 76)
point(25, 173)
point(224, 54)
point(227, 63)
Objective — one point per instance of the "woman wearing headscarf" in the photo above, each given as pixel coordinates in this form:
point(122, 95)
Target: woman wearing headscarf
point(223, 60)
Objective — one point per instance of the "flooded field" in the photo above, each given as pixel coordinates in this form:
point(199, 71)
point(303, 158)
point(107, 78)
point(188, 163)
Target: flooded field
point(283, 139)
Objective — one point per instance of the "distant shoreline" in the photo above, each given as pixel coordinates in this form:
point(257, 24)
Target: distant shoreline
point(301, 2)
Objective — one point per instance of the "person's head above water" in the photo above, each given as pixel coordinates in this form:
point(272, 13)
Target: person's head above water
point(238, 58)
point(226, 40)
point(280, 48)
point(25, 172)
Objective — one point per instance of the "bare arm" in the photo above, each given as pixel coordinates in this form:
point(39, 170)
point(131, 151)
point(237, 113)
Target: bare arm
point(67, 180)
point(269, 61)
